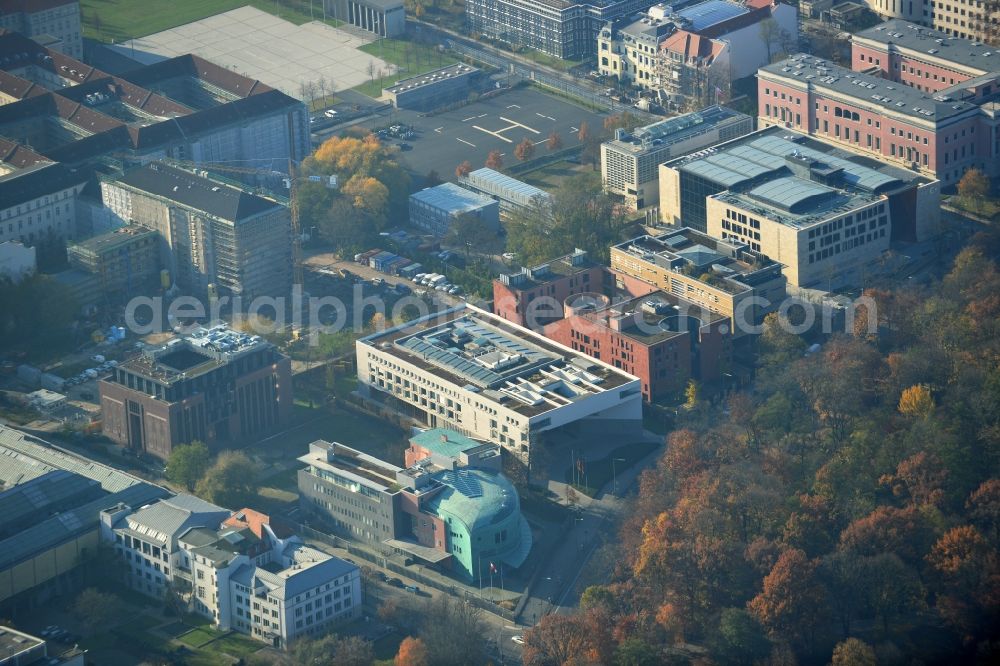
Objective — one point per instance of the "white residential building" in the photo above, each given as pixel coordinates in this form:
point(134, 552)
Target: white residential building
point(238, 568)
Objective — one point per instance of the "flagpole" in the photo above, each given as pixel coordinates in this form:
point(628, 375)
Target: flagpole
point(480, 575)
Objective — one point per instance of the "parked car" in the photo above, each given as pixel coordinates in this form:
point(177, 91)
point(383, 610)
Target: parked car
point(395, 582)
point(509, 256)
point(405, 146)
point(330, 113)
point(412, 588)
point(518, 639)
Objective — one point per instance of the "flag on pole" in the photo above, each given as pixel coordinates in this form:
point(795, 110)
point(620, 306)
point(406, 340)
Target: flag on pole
point(718, 93)
point(493, 568)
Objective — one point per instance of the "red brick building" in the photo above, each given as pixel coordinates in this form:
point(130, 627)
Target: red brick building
point(657, 337)
point(545, 287)
point(217, 386)
point(870, 115)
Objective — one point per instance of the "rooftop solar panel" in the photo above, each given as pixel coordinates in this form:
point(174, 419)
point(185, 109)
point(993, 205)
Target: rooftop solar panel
point(706, 14)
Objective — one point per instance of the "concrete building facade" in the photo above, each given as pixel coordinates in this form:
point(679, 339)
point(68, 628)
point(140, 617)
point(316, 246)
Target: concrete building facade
point(562, 28)
point(721, 276)
point(214, 385)
point(794, 199)
point(476, 373)
point(240, 569)
point(126, 261)
point(435, 209)
point(385, 18)
point(37, 18)
point(450, 507)
point(433, 89)
point(215, 239)
point(629, 161)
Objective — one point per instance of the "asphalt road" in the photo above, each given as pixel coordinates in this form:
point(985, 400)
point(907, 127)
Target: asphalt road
point(445, 140)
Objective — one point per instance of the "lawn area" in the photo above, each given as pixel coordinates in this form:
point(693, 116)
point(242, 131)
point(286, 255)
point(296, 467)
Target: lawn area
point(197, 637)
point(551, 176)
point(988, 207)
point(550, 60)
point(597, 473)
point(119, 20)
point(410, 57)
point(358, 430)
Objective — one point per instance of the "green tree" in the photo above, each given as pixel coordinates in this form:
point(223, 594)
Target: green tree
point(636, 652)
point(187, 464)
point(853, 652)
point(95, 610)
point(973, 188)
point(597, 596)
point(739, 638)
point(230, 482)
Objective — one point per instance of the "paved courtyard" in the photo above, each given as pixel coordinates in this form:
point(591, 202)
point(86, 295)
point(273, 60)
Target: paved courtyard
point(265, 47)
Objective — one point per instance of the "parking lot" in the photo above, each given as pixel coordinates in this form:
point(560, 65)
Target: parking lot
point(444, 141)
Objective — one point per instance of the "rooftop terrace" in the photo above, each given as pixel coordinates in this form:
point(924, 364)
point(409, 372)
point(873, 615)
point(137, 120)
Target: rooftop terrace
point(735, 268)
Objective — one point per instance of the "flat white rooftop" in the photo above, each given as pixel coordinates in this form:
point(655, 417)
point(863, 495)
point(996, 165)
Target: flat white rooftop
point(271, 49)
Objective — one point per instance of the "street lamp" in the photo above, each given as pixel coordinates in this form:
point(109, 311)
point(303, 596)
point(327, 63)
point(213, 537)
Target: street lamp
point(614, 476)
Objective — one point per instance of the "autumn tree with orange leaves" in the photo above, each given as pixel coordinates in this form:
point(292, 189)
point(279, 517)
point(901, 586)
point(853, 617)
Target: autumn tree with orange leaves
point(412, 652)
point(494, 160)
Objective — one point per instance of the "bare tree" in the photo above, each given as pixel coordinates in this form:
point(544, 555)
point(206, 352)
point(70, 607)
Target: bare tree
point(371, 69)
point(321, 86)
point(770, 34)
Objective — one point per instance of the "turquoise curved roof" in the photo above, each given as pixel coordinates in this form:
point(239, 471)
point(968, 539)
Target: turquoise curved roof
point(476, 497)
point(444, 441)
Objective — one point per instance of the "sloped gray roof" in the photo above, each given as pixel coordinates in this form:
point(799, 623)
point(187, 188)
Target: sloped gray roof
point(23, 457)
point(175, 516)
point(42, 496)
point(50, 533)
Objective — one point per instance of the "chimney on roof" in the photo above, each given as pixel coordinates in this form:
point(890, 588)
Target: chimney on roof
point(444, 437)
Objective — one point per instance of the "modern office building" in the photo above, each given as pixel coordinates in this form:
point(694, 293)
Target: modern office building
point(435, 209)
point(630, 160)
point(722, 276)
point(518, 297)
point(512, 194)
point(433, 89)
point(938, 134)
point(474, 372)
point(562, 28)
point(663, 340)
point(214, 385)
point(126, 261)
point(39, 19)
point(451, 507)
point(215, 238)
point(385, 18)
point(50, 504)
point(801, 203)
point(690, 52)
point(239, 569)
